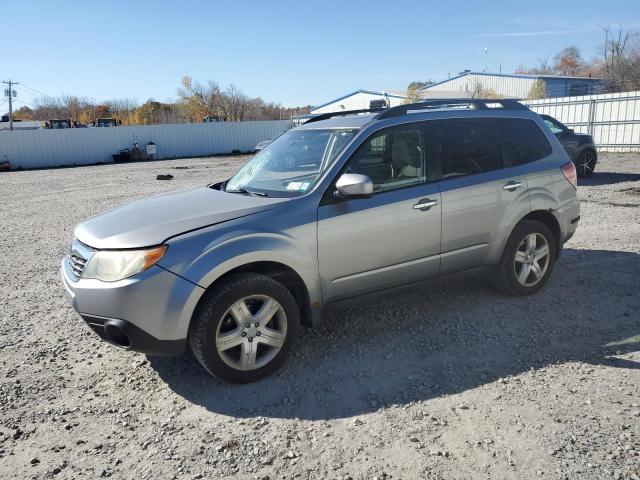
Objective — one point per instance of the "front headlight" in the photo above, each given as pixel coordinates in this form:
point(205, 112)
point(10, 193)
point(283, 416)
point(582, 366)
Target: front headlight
point(114, 265)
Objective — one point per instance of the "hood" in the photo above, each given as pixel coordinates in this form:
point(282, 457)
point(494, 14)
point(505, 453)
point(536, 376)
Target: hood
point(153, 220)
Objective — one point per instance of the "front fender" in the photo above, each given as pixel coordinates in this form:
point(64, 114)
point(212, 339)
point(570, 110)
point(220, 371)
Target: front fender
point(226, 253)
point(235, 252)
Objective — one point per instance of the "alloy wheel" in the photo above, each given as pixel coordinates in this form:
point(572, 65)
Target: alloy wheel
point(532, 259)
point(586, 164)
point(251, 333)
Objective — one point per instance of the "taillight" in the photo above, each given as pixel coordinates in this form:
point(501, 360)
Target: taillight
point(569, 170)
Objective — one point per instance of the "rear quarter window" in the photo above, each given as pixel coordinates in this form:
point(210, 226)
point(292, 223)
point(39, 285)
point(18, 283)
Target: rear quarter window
point(524, 140)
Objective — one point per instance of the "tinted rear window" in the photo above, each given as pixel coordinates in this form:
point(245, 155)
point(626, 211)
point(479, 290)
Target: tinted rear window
point(466, 147)
point(524, 140)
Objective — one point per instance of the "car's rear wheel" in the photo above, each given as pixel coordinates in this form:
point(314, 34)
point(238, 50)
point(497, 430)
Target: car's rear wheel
point(527, 260)
point(586, 163)
point(244, 327)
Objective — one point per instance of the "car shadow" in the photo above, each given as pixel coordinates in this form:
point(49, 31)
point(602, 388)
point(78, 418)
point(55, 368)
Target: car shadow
point(608, 178)
point(437, 341)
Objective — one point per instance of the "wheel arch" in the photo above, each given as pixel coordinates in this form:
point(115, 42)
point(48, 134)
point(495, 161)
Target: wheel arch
point(550, 220)
point(280, 272)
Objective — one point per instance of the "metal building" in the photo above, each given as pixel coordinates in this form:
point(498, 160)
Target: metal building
point(360, 99)
point(467, 83)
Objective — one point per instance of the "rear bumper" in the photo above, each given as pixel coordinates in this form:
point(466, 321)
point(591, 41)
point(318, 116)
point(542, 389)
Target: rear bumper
point(568, 216)
point(149, 312)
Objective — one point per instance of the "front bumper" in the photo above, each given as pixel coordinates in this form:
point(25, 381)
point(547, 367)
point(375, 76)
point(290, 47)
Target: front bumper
point(126, 335)
point(148, 312)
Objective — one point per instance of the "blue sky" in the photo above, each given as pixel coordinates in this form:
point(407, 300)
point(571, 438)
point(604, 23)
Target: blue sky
point(294, 53)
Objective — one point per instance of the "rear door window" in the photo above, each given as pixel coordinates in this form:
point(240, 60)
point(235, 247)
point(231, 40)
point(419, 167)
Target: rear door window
point(523, 139)
point(466, 147)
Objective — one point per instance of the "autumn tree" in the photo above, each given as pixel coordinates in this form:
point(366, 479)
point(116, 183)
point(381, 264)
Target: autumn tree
point(152, 113)
point(569, 62)
point(23, 113)
point(414, 91)
point(200, 100)
point(123, 109)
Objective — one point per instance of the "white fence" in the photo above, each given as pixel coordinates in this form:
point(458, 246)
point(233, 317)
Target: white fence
point(613, 119)
point(83, 146)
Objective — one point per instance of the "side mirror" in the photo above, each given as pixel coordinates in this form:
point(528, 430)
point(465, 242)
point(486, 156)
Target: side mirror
point(570, 131)
point(354, 185)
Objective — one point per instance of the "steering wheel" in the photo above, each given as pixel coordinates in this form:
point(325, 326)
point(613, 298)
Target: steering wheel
point(288, 162)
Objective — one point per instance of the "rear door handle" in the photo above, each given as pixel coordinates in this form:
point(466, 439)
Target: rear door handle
point(425, 204)
point(511, 186)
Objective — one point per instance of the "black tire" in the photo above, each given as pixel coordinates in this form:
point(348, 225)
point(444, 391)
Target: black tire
point(505, 277)
point(211, 312)
point(586, 163)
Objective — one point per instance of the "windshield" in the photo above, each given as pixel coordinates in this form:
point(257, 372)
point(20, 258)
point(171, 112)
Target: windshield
point(291, 164)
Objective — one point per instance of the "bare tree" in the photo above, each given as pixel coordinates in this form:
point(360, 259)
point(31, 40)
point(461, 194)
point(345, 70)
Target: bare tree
point(478, 90)
point(122, 109)
point(621, 57)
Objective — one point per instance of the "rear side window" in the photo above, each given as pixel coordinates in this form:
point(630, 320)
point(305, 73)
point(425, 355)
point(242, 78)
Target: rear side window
point(524, 140)
point(466, 147)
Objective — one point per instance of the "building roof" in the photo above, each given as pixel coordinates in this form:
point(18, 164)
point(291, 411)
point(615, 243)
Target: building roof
point(371, 92)
point(511, 75)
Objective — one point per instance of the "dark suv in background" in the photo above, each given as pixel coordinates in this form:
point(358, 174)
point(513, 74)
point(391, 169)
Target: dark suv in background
point(579, 146)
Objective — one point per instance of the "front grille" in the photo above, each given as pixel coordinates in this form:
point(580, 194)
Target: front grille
point(77, 264)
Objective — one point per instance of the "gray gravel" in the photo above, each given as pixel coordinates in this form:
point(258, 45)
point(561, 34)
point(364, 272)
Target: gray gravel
point(453, 381)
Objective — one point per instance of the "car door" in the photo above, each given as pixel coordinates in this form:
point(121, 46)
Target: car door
point(391, 238)
point(480, 191)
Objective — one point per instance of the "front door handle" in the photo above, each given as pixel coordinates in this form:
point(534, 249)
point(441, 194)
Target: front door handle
point(425, 204)
point(511, 186)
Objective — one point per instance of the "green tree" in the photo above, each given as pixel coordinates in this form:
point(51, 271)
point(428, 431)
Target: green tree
point(538, 90)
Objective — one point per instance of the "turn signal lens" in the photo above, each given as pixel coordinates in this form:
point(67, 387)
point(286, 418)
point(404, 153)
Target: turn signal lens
point(569, 170)
point(153, 256)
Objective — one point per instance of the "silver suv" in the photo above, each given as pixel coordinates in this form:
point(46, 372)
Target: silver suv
point(345, 205)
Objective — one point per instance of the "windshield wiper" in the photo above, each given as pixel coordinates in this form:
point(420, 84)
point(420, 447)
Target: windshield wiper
point(247, 192)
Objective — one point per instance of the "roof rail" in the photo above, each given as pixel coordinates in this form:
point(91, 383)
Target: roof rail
point(478, 104)
point(325, 116)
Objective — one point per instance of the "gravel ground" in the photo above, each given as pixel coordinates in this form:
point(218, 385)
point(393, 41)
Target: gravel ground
point(453, 381)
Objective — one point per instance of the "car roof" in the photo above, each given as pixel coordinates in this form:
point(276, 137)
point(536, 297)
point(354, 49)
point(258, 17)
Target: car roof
point(360, 118)
point(345, 121)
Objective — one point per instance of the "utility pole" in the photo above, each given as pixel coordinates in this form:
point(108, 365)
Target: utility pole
point(11, 93)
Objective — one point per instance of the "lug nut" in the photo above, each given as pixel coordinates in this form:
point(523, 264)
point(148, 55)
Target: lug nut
point(257, 334)
point(256, 324)
point(250, 339)
point(247, 325)
point(244, 334)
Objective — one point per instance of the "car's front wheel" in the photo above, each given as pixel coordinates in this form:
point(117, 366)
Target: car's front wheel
point(586, 163)
point(244, 327)
point(527, 259)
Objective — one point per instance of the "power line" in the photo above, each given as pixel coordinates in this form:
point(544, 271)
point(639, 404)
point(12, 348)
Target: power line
point(24, 103)
point(34, 90)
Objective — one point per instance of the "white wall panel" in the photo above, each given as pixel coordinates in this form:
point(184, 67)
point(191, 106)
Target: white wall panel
point(613, 118)
point(83, 146)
